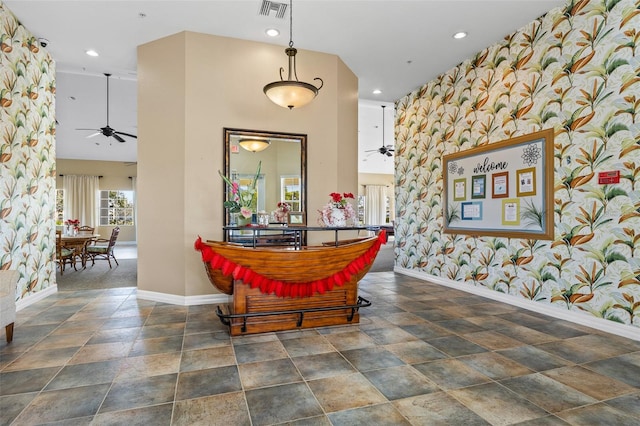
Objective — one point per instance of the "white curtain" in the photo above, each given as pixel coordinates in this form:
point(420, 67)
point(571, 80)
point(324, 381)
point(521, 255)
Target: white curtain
point(374, 207)
point(81, 198)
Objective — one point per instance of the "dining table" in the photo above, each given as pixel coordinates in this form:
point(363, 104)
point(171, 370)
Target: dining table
point(78, 243)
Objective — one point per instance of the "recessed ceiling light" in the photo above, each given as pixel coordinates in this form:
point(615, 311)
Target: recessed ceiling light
point(272, 32)
point(460, 34)
point(377, 91)
point(92, 52)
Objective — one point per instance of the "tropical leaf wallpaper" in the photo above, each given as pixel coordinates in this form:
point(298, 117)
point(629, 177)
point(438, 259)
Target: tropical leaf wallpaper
point(575, 70)
point(27, 157)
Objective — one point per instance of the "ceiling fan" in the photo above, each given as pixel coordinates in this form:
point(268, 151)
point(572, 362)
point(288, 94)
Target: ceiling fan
point(384, 149)
point(107, 130)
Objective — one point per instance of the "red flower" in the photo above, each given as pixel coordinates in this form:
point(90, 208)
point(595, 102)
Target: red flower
point(339, 200)
point(283, 206)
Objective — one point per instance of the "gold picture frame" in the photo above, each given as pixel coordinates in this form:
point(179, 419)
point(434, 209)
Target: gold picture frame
point(524, 163)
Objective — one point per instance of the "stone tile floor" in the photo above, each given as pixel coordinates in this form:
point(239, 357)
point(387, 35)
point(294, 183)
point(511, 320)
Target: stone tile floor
point(423, 354)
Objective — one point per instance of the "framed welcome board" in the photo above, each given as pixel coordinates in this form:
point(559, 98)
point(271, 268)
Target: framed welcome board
point(503, 189)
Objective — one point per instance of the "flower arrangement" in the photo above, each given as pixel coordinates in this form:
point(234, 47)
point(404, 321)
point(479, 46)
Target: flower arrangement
point(337, 211)
point(242, 201)
point(72, 222)
point(280, 214)
point(339, 201)
point(71, 226)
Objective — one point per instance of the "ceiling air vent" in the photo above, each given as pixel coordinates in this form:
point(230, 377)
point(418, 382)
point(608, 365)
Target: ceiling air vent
point(270, 6)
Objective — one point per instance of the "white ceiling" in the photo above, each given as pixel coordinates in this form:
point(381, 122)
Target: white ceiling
point(391, 45)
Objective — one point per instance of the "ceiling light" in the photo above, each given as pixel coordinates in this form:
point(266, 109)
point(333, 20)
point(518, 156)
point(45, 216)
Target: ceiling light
point(254, 145)
point(459, 35)
point(377, 91)
point(272, 32)
point(291, 93)
point(92, 52)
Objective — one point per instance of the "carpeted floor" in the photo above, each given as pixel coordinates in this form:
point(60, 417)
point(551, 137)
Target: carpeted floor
point(99, 276)
point(385, 258)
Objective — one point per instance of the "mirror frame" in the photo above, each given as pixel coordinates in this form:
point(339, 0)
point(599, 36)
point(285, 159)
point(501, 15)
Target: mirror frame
point(229, 132)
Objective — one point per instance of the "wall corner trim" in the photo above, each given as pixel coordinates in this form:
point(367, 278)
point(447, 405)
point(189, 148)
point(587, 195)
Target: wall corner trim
point(628, 331)
point(35, 297)
point(174, 299)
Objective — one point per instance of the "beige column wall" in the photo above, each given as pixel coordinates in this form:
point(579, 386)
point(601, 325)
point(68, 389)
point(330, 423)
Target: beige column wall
point(161, 165)
point(191, 86)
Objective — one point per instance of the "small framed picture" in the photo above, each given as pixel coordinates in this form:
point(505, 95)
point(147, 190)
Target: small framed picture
point(296, 218)
point(526, 182)
point(478, 184)
point(511, 212)
point(460, 189)
point(472, 210)
point(500, 185)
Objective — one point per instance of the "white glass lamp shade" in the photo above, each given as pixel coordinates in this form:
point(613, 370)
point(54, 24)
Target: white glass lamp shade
point(254, 145)
point(290, 94)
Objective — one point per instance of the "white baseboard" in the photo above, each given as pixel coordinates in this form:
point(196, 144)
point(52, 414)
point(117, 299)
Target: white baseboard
point(205, 299)
point(36, 297)
point(174, 299)
point(582, 318)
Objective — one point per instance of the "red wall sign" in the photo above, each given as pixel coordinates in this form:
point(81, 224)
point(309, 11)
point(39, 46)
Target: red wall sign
point(605, 178)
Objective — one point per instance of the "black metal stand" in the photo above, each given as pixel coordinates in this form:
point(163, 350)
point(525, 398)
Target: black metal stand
point(296, 233)
point(226, 318)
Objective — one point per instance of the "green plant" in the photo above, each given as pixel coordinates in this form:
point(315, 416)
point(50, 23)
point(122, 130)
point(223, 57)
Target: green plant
point(242, 201)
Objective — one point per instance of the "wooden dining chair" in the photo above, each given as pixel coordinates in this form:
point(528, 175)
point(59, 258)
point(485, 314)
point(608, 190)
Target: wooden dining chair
point(86, 229)
point(64, 255)
point(103, 249)
point(82, 250)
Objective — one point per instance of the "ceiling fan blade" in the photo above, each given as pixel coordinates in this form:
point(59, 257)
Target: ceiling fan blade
point(118, 138)
point(97, 132)
point(127, 134)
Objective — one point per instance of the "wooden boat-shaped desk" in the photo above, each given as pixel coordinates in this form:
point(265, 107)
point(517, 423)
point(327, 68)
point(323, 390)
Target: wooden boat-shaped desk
point(282, 289)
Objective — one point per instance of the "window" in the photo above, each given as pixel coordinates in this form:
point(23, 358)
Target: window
point(116, 208)
point(290, 191)
point(59, 206)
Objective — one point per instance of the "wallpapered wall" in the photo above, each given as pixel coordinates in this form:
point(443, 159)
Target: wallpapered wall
point(575, 70)
point(27, 157)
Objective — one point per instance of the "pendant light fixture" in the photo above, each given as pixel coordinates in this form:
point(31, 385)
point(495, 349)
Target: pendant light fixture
point(254, 145)
point(291, 93)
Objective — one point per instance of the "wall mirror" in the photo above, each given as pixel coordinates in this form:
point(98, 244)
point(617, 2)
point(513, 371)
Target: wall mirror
point(283, 172)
